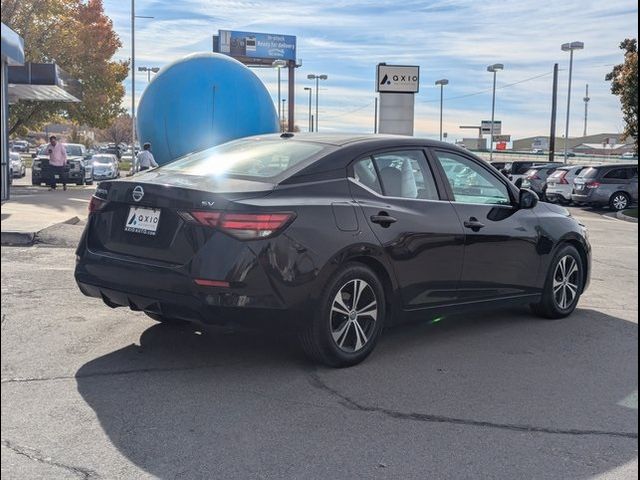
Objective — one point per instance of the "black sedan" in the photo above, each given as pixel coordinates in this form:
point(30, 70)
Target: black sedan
point(335, 236)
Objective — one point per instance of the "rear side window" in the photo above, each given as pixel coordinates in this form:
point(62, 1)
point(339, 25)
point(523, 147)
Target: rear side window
point(589, 172)
point(617, 174)
point(365, 173)
point(247, 157)
point(406, 174)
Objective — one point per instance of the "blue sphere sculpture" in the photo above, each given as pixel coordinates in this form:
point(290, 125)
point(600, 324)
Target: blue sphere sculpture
point(201, 101)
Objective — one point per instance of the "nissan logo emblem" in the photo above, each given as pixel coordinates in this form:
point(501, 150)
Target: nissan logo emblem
point(137, 193)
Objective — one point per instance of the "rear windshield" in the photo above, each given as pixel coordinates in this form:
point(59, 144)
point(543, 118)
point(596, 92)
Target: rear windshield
point(518, 168)
point(247, 158)
point(589, 172)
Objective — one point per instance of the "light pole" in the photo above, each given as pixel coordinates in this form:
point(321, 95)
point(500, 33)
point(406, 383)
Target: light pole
point(149, 70)
point(133, 74)
point(284, 100)
point(317, 78)
point(442, 83)
point(278, 64)
point(310, 90)
point(493, 69)
point(569, 47)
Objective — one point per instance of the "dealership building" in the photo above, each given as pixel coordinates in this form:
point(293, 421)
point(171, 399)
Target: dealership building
point(597, 144)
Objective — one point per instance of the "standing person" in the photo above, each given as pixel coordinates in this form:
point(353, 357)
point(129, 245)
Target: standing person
point(57, 162)
point(145, 158)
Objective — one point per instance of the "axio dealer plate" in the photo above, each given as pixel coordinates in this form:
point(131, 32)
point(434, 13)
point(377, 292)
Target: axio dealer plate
point(142, 220)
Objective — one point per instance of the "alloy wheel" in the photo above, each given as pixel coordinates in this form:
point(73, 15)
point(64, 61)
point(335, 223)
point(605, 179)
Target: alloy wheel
point(620, 202)
point(353, 315)
point(566, 281)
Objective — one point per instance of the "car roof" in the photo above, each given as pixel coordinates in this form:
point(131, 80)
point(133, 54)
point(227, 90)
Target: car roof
point(343, 139)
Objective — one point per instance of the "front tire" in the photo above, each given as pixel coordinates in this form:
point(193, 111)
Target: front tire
point(563, 286)
point(348, 320)
point(619, 201)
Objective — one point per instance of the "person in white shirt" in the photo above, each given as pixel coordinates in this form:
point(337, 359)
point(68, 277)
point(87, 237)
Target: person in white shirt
point(145, 158)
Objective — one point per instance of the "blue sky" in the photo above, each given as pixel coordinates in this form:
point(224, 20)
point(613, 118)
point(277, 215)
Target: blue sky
point(451, 39)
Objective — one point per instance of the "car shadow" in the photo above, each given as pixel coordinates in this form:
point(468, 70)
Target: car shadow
point(204, 403)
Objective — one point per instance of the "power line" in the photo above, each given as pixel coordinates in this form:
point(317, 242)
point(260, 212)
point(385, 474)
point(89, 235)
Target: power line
point(482, 92)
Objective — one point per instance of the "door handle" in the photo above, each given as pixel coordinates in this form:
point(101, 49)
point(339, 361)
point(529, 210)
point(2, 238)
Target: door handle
point(473, 224)
point(384, 220)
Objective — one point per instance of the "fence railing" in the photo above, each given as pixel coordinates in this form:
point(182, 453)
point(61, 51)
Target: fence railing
point(559, 157)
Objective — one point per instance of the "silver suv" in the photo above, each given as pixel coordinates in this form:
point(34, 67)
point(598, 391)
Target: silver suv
point(612, 185)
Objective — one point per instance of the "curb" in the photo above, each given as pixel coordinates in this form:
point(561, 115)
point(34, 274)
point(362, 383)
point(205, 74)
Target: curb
point(14, 239)
point(25, 239)
point(626, 218)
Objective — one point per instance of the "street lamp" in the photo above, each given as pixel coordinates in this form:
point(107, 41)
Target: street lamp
point(569, 47)
point(317, 78)
point(278, 64)
point(133, 74)
point(310, 90)
point(493, 69)
point(149, 70)
point(442, 83)
point(284, 120)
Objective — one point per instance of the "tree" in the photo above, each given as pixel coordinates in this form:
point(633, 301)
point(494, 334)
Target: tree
point(79, 37)
point(118, 132)
point(624, 84)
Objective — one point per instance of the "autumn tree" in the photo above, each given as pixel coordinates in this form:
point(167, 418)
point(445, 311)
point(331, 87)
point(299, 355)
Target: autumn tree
point(624, 84)
point(118, 132)
point(79, 37)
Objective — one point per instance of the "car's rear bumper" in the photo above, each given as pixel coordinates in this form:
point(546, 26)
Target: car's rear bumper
point(251, 295)
point(554, 193)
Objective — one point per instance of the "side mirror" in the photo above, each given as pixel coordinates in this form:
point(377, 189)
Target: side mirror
point(528, 199)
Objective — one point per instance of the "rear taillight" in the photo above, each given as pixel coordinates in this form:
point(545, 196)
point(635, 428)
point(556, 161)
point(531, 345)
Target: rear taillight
point(592, 184)
point(562, 178)
point(244, 226)
point(96, 204)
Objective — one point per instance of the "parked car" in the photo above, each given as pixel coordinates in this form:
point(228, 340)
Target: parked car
point(536, 179)
point(629, 156)
point(80, 168)
point(105, 166)
point(612, 185)
point(20, 146)
point(560, 184)
point(17, 167)
point(538, 151)
point(517, 170)
point(112, 149)
point(331, 236)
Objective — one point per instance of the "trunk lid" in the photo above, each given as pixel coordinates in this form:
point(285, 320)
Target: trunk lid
point(164, 194)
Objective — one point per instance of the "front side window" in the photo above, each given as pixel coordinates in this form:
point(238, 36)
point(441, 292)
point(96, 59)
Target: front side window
point(406, 174)
point(470, 182)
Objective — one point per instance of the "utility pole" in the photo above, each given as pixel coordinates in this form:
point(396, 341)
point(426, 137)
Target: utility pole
point(586, 110)
point(554, 111)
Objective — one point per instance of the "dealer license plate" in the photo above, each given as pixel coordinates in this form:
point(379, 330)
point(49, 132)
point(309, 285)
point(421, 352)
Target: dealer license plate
point(143, 220)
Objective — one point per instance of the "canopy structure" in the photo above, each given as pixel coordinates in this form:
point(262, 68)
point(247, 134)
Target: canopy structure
point(27, 81)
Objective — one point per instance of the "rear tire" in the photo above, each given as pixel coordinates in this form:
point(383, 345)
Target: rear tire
point(166, 320)
point(619, 201)
point(563, 286)
point(349, 319)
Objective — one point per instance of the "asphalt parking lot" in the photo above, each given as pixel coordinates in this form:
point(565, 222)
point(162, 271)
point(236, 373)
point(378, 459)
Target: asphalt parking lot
point(90, 392)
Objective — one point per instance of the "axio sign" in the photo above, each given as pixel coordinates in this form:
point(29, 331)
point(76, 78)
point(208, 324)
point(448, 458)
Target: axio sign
point(263, 46)
point(397, 78)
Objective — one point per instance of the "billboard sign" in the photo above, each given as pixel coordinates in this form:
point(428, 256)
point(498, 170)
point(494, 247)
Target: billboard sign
point(397, 78)
point(260, 47)
point(502, 138)
point(486, 127)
